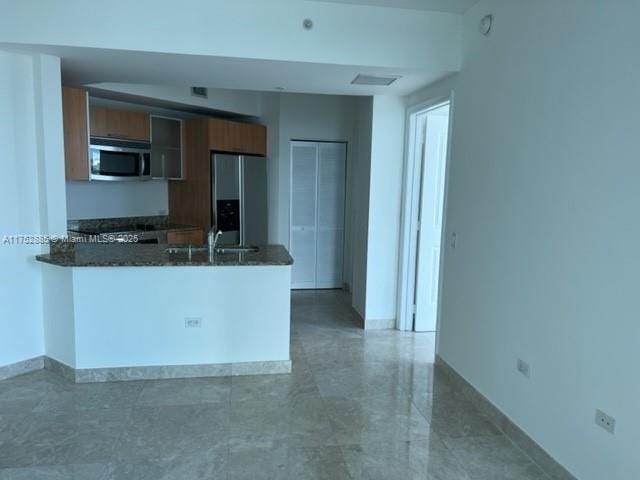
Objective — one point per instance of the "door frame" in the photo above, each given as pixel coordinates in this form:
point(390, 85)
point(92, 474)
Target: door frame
point(409, 217)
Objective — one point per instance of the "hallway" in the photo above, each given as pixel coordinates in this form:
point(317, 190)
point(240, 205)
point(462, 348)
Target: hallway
point(358, 405)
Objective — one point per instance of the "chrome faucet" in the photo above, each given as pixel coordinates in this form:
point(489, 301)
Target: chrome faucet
point(212, 239)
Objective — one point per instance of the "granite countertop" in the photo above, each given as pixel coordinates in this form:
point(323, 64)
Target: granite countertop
point(136, 255)
point(100, 226)
point(102, 230)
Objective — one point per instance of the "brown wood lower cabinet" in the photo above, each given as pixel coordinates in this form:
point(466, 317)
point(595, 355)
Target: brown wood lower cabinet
point(190, 236)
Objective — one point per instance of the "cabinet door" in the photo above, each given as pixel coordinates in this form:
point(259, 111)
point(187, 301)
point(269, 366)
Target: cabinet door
point(255, 139)
point(224, 136)
point(237, 137)
point(190, 199)
point(330, 225)
point(76, 141)
point(304, 162)
point(114, 123)
point(192, 236)
point(166, 148)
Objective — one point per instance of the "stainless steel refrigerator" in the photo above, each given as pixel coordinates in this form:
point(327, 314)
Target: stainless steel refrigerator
point(239, 198)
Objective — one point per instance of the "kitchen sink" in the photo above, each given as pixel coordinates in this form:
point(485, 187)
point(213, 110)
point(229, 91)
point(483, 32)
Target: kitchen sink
point(187, 249)
point(236, 249)
point(200, 248)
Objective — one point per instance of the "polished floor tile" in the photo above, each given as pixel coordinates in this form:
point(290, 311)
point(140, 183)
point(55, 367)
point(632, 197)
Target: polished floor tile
point(427, 459)
point(69, 397)
point(494, 457)
point(357, 405)
point(165, 431)
point(187, 391)
point(286, 461)
point(377, 419)
point(22, 394)
point(60, 439)
point(303, 420)
point(274, 387)
point(184, 467)
point(56, 472)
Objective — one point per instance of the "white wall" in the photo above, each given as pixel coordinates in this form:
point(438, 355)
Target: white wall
point(117, 199)
point(232, 331)
point(442, 89)
point(31, 194)
point(271, 118)
point(50, 144)
point(343, 34)
point(385, 193)
point(59, 313)
point(232, 101)
point(359, 213)
point(543, 194)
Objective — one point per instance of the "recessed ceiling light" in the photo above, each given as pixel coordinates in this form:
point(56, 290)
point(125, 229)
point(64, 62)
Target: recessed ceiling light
point(379, 80)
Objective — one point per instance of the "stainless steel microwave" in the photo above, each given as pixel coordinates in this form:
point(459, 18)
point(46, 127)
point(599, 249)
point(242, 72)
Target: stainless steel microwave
point(119, 160)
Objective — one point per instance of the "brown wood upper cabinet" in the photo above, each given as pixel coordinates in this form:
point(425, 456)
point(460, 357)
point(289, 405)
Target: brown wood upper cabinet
point(76, 139)
point(114, 123)
point(237, 137)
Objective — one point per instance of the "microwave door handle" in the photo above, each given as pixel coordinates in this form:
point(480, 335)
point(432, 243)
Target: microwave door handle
point(142, 164)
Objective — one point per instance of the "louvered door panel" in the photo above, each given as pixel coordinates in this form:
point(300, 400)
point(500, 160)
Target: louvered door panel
point(304, 159)
point(330, 258)
point(330, 227)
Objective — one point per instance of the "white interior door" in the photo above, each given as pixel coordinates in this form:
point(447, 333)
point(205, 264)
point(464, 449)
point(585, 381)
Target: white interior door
point(431, 211)
point(303, 241)
point(331, 199)
point(318, 171)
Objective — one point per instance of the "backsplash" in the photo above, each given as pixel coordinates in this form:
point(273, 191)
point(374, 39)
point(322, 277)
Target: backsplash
point(87, 200)
point(111, 222)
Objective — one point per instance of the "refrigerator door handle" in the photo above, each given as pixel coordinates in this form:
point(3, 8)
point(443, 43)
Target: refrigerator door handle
point(242, 202)
point(214, 203)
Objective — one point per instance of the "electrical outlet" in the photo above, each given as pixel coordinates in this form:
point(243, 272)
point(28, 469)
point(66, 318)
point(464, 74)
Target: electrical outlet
point(523, 368)
point(605, 421)
point(193, 322)
point(454, 240)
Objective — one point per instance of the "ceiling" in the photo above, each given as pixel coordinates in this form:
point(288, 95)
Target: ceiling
point(83, 66)
point(453, 6)
point(414, 45)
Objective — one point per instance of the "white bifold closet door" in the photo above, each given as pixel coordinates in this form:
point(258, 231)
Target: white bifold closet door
point(318, 172)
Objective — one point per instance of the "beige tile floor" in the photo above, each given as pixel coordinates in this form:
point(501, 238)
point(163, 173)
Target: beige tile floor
point(358, 405)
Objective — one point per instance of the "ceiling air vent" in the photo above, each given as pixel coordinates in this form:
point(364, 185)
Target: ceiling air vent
point(199, 92)
point(379, 80)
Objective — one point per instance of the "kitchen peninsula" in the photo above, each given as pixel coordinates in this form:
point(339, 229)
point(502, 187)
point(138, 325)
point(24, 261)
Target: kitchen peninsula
point(128, 312)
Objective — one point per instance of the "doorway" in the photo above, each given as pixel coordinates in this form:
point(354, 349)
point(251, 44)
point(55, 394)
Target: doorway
point(425, 185)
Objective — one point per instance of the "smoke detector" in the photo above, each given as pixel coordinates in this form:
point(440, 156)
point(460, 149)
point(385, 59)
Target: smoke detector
point(377, 80)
